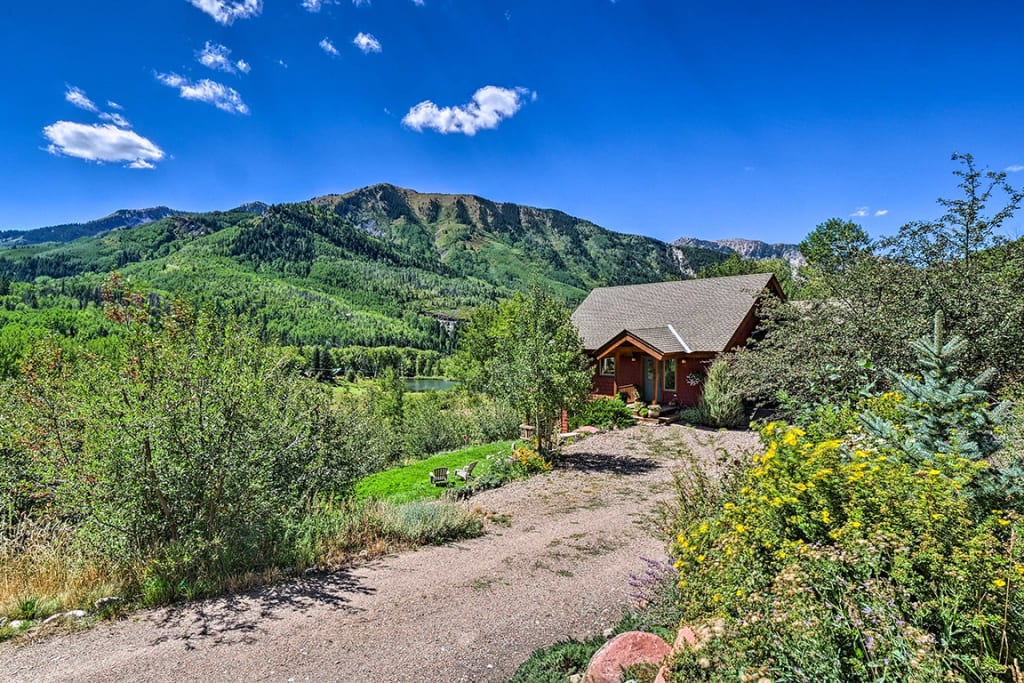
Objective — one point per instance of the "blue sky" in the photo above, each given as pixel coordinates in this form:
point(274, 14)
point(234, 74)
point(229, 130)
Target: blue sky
point(745, 119)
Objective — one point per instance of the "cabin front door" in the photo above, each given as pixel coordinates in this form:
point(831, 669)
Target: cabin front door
point(648, 379)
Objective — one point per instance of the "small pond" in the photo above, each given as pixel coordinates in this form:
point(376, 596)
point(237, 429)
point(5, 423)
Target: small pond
point(428, 384)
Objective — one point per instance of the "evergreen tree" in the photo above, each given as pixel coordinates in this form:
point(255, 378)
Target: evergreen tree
point(940, 412)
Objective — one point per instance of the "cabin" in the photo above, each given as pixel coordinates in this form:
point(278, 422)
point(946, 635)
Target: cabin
point(654, 342)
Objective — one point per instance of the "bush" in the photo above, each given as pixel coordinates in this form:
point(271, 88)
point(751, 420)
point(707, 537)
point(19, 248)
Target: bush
point(838, 562)
point(557, 663)
point(721, 404)
point(604, 413)
point(190, 449)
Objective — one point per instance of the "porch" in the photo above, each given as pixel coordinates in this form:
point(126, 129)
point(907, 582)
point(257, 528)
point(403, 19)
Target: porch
point(668, 379)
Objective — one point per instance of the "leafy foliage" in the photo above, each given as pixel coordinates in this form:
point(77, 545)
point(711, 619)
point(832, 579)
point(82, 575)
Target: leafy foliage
point(604, 413)
point(192, 446)
point(868, 297)
point(721, 403)
point(527, 351)
point(840, 557)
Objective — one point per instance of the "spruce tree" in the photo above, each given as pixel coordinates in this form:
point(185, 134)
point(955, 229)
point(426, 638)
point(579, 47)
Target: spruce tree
point(940, 412)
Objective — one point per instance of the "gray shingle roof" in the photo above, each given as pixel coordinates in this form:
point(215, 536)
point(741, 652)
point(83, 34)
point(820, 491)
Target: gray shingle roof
point(689, 316)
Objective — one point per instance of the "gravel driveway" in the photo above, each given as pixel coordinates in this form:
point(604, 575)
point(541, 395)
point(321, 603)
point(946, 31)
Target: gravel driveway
point(555, 563)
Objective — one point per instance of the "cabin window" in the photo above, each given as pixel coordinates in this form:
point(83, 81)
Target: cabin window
point(608, 366)
point(670, 375)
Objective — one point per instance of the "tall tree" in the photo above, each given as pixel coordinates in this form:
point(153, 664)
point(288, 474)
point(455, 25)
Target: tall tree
point(527, 352)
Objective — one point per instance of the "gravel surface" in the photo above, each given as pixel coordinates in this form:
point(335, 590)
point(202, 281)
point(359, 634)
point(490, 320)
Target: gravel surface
point(555, 563)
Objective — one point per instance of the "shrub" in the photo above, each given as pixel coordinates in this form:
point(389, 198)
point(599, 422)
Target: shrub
point(604, 413)
point(721, 404)
point(834, 561)
point(555, 664)
point(191, 448)
point(527, 460)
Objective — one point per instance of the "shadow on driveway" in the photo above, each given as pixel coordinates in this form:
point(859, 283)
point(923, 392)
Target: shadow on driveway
point(605, 463)
point(235, 619)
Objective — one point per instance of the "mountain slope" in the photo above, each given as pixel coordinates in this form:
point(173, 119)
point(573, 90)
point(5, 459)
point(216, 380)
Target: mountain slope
point(749, 249)
point(374, 267)
point(125, 218)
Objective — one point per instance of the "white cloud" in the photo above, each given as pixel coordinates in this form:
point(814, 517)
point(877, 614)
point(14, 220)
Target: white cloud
point(489, 107)
point(101, 142)
point(860, 213)
point(881, 212)
point(419, 3)
point(218, 58)
point(312, 5)
point(219, 95)
point(366, 42)
point(1016, 168)
point(225, 12)
point(77, 97)
point(361, 3)
point(116, 119)
point(114, 105)
point(327, 46)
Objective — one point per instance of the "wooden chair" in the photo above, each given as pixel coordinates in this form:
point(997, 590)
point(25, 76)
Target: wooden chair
point(439, 477)
point(466, 472)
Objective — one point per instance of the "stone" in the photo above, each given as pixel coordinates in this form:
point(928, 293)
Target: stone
point(685, 637)
point(622, 651)
point(109, 601)
point(15, 624)
point(76, 614)
point(588, 429)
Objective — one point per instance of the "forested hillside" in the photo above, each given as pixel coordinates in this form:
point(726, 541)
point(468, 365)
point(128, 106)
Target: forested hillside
point(378, 267)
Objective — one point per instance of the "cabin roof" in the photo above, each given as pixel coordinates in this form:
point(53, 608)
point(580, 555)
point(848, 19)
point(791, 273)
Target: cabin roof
point(687, 316)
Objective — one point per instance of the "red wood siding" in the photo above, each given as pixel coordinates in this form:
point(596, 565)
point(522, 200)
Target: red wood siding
point(688, 395)
point(630, 370)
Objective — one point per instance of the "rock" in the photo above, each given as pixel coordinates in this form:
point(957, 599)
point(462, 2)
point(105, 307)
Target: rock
point(685, 637)
point(575, 678)
point(15, 625)
point(52, 618)
point(608, 632)
point(76, 614)
point(622, 651)
point(109, 601)
point(587, 429)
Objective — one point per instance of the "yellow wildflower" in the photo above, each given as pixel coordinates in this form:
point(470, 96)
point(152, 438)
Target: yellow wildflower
point(998, 583)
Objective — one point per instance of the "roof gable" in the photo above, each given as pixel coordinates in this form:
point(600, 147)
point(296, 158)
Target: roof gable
point(687, 316)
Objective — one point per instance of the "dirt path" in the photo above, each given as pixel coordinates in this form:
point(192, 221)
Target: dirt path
point(471, 611)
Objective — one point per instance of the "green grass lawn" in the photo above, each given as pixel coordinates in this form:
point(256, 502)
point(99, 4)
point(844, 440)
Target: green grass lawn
point(412, 482)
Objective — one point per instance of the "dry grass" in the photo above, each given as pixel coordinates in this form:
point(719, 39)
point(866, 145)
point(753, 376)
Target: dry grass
point(43, 570)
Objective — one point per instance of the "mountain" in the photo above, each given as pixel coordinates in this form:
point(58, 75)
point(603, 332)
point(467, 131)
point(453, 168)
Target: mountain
point(379, 266)
point(125, 218)
point(749, 249)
